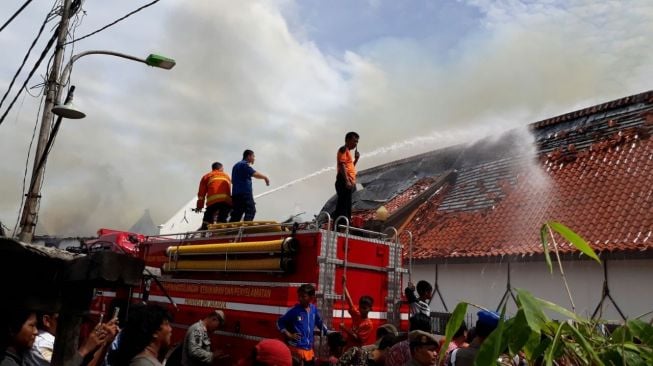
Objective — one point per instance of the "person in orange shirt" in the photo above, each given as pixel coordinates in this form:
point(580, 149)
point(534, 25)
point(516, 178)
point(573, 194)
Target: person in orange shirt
point(360, 333)
point(346, 177)
point(215, 189)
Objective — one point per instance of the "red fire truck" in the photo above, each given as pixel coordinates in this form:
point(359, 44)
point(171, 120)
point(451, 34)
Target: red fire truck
point(251, 271)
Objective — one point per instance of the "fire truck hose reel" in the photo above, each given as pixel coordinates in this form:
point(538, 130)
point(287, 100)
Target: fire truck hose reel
point(263, 264)
point(275, 246)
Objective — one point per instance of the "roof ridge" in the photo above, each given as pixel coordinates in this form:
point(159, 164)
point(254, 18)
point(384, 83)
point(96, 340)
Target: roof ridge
point(644, 96)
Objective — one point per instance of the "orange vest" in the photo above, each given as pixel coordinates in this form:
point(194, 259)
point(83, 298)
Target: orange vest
point(215, 187)
point(344, 157)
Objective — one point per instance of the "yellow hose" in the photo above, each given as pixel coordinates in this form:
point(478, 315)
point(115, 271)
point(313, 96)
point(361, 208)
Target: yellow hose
point(248, 226)
point(269, 264)
point(288, 244)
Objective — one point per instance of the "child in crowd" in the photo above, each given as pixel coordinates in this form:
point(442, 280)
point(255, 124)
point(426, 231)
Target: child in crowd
point(419, 303)
point(360, 333)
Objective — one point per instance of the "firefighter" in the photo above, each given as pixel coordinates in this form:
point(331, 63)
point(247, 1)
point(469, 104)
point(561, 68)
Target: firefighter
point(242, 193)
point(215, 189)
point(346, 176)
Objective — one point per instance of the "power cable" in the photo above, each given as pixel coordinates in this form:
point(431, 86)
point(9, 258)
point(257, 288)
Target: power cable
point(20, 68)
point(31, 73)
point(15, 15)
point(29, 150)
point(114, 22)
point(76, 5)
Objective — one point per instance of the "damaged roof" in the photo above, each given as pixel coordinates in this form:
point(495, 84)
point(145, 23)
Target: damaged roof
point(591, 170)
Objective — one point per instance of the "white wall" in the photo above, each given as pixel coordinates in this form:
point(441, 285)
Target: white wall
point(630, 283)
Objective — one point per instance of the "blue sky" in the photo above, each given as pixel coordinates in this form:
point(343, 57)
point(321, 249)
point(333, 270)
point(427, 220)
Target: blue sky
point(337, 26)
point(289, 78)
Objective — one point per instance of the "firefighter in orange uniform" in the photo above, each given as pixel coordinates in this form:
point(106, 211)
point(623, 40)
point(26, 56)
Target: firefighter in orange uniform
point(215, 189)
point(346, 177)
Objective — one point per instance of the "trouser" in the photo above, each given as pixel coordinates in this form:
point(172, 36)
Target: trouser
point(307, 356)
point(343, 205)
point(243, 204)
point(217, 212)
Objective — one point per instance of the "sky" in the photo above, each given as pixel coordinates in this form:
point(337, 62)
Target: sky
point(288, 79)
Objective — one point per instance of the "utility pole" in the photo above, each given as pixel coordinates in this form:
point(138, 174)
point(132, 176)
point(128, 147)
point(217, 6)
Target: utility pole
point(52, 89)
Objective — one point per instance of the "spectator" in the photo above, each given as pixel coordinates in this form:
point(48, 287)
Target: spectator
point(18, 334)
point(360, 333)
point(459, 340)
point(386, 329)
point(145, 338)
point(423, 348)
point(399, 354)
point(298, 323)
point(486, 323)
point(372, 355)
point(196, 350)
point(336, 343)
point(419, 303)
point(41, 352)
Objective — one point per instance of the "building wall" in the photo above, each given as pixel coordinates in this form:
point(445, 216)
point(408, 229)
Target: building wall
point(630, 283)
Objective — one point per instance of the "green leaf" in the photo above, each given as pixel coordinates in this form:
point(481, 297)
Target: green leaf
point(622, 334)
point(540, 349)
point(532, 346)
point(518, 332)
point(611, 357)
point(590, 353)
point(642, 331)
point(533, 313)
point(550, 354)
point(544, 232)
point(574, 239)
point(454, 323)
point(558, 309)
point(493, 345)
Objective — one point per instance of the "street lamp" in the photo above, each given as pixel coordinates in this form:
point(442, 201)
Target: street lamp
point(65, 110)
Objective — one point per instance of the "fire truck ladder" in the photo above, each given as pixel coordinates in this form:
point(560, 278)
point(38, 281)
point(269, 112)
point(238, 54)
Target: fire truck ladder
point(329, 262)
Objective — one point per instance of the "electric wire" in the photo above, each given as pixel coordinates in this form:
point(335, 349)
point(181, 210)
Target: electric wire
point(31, 73)
point(20, 68)
point(114, 22)
point(71, 35)
point(15, 15)
point(29, 150)
point(56, 9)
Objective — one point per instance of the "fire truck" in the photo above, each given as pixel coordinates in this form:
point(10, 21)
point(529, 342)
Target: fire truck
point(251, 271)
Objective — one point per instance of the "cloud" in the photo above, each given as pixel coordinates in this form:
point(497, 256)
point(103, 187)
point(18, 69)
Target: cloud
point(248, 77)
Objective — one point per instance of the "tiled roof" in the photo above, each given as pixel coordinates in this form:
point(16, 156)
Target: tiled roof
point(593, 173)
point(400, 199)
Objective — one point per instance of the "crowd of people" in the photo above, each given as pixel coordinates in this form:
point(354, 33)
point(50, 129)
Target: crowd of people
point(144, 338)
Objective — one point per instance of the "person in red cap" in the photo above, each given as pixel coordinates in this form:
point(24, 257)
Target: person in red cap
point(269, 352)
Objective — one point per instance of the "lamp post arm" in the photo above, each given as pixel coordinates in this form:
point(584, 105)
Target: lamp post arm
point(66, 71)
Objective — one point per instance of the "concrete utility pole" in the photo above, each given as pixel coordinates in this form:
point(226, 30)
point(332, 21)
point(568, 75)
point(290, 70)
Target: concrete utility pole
point(52, 90)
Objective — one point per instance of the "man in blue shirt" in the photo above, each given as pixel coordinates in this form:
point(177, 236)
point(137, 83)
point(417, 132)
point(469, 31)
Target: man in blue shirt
point(241, 192)
point(298, 323)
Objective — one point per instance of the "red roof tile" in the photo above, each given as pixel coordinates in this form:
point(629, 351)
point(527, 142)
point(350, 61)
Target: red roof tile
point(602, 189)
point(605, 200)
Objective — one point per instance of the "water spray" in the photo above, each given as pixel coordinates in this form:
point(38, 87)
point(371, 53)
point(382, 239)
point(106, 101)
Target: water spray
point(293, 182)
